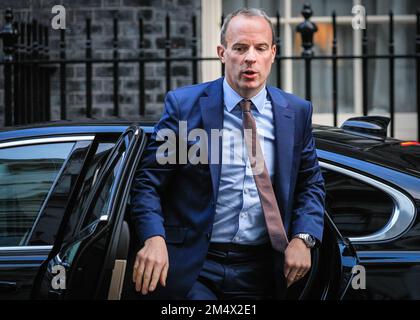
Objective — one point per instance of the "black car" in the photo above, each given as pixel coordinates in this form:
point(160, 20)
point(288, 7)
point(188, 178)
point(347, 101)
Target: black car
point(65, 229)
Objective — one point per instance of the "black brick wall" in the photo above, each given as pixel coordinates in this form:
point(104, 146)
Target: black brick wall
point(101, 13)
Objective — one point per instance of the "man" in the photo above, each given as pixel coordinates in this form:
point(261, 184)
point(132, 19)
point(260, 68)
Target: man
point(222, 230)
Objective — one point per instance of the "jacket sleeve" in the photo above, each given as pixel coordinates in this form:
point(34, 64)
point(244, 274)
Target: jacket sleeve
point(309, 200)
point(152, 174)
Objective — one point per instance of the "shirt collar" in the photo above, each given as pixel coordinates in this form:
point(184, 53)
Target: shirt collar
point(232, 98)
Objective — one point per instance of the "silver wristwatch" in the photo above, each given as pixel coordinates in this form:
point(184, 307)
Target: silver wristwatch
point(307, 238)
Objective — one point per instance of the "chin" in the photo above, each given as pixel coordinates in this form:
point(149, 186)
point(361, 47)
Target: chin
point(251, 85)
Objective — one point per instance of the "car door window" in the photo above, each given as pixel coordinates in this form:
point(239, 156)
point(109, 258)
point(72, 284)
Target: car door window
point(102, 206)
point(102, 151)
point(357, 208)
point(103, 199)
point(27, 174)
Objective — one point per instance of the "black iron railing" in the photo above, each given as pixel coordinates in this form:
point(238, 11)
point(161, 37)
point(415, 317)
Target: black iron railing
point(27, 66)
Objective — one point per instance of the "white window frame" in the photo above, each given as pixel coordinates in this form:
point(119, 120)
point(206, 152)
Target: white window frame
point(211, 13)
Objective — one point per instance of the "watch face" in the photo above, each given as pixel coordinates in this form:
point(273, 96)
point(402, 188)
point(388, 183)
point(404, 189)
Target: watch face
point(308, 239)
point(311, 240)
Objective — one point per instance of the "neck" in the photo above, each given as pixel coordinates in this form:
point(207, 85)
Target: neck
point(244, 93)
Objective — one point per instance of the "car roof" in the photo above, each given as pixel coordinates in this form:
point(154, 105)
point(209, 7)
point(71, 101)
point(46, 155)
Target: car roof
point(391, 153)
point(70, 127)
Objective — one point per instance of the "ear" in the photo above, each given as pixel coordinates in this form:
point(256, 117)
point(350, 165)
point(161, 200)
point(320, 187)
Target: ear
point(221, 53)
point(273, 52)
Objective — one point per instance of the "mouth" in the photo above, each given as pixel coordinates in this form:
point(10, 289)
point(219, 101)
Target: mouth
point(249, 74)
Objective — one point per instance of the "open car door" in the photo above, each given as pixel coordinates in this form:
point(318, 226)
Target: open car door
point(88, 259)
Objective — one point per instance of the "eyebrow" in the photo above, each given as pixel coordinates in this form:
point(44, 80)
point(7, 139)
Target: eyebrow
point(245, 44)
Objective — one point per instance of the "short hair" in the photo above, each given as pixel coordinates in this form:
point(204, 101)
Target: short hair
point(247, 12)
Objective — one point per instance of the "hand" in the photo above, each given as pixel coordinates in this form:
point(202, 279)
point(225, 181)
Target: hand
point(297, 261)
point(151, 265)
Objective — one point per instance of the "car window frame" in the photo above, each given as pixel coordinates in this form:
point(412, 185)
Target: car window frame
point(113, 158)
point(403, 214)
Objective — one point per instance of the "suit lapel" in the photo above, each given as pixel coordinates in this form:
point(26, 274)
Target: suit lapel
point(284, 130)
point(212, 114)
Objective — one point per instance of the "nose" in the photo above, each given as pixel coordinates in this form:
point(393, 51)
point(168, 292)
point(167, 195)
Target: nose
point(250, 56)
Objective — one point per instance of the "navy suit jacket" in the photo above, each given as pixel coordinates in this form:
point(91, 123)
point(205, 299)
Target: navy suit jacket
point(177, 201)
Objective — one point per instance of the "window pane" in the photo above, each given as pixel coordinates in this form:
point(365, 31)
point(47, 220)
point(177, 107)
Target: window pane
point(269, 6)
point(323, 39)
point(103, 200)
point(102, 152)
point(323, 7)
point(357, 208)
point(26, 176)
point(322, 69)
point(102, 204)
point(397, 6)
point(321, 84)
point(404, 81)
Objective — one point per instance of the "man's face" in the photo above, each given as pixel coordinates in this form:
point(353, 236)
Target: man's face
point(248, 55)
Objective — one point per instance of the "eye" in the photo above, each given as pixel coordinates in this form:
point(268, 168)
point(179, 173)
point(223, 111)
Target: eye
point(239, 48)
point(262, 48)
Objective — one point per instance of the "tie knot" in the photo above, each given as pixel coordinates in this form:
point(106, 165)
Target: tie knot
point(245, 105)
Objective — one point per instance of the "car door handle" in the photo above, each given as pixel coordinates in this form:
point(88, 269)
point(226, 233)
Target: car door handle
point(7, 286)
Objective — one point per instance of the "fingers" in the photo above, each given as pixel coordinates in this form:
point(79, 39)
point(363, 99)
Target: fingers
point(164, 275)
point(295, 270)
point(295, 274)
point(291, 276)
point(136, 265)
point(150, 266)
point(287, 269)
point(297, 261)
point(156, 275)
point(147, 276)
point(139, 275)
